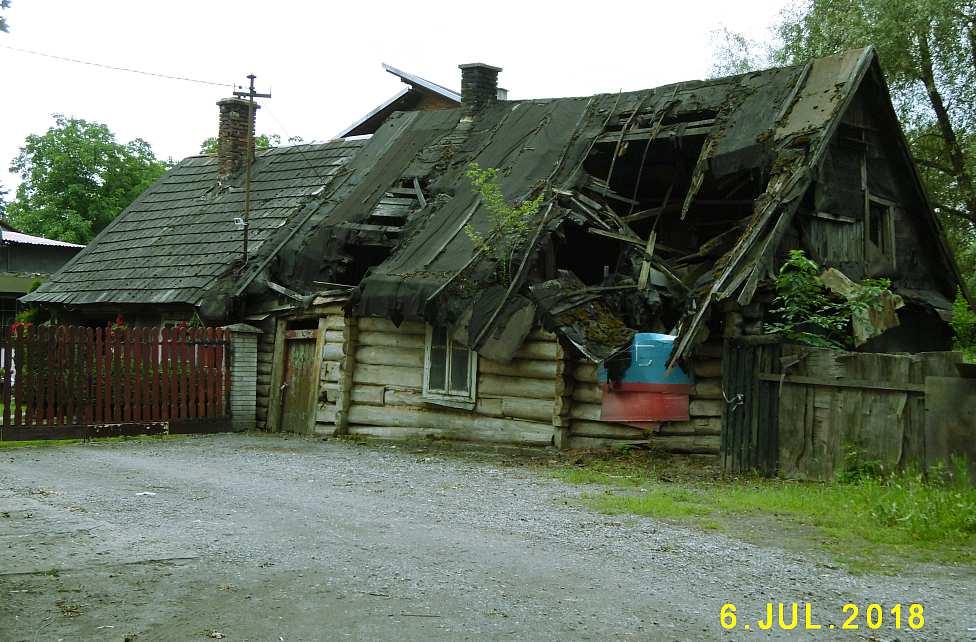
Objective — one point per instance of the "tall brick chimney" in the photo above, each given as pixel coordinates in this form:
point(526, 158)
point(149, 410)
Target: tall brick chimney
point(232, 148)
point(479, 85)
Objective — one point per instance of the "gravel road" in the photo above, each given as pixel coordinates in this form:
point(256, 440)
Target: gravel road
point(249, 537)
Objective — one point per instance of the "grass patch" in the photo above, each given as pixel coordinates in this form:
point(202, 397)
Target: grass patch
point(52, 443)
point(868, 523)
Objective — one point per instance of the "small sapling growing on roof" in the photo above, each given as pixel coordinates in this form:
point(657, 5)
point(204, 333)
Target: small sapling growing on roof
point(509, 224)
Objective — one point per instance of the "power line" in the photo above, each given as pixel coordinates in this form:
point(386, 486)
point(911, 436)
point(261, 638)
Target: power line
point(298, 148)
point(114, 68)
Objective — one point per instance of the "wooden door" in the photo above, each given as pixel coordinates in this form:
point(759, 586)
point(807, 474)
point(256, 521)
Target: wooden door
point(299, 389)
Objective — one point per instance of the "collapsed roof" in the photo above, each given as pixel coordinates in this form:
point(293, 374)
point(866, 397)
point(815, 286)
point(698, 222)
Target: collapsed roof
point(621, 168)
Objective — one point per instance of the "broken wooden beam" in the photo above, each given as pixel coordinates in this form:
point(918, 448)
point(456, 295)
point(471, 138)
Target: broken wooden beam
point(633, 240)
point(369, 228)
point(677, 130)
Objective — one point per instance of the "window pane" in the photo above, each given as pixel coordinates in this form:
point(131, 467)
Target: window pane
point(877, 232)
point(437, 378)
point(460, 358)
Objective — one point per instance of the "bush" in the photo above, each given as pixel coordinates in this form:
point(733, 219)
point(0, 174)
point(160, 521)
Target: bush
point(964, 326)
point(807, 312)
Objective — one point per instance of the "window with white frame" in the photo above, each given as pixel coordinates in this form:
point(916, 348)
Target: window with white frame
point(450, 369)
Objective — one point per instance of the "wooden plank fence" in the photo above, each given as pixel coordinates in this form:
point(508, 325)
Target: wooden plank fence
point(75, 376)
point(799, 412)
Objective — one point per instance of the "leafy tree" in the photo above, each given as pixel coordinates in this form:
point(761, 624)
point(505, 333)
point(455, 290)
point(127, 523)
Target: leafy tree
point(927, 50)
point(3, 201)
point(261, 143)
point(964, 327)
point(4, 4)
point(738, 54)
point(77, 178)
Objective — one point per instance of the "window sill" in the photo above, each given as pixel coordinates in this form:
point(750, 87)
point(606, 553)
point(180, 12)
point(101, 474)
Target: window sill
point(455, 402)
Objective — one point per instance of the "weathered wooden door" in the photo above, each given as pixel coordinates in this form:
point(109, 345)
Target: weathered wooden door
point(299, 388)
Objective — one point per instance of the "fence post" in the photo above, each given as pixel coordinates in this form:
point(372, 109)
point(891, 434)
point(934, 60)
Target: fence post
point(242, 362)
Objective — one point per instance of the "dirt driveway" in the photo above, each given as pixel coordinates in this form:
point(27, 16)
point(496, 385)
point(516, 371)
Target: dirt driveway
point(274, 538)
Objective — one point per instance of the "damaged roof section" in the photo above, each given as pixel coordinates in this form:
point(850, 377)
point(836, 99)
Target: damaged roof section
point(657, 203)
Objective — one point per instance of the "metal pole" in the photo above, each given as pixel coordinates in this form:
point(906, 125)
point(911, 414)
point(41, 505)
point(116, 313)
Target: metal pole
point(251, 94)
point(247, 164)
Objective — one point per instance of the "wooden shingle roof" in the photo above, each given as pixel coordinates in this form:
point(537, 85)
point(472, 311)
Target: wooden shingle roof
point(178, 241)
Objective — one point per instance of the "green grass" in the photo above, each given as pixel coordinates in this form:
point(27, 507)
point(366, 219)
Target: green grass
point(869, 524)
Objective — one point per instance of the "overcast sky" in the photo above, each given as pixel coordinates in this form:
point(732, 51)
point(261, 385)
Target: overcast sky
point(321, 60)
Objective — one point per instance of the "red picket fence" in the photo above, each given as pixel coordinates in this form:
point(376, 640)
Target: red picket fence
point(74, 376)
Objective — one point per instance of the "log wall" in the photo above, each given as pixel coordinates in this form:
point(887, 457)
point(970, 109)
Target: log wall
point(700, 435)
point(384, 382)
point(265, 359)
point(374, 370)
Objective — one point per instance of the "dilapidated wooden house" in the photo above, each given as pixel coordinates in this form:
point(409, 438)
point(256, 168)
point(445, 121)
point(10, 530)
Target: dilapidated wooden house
point(663, 211)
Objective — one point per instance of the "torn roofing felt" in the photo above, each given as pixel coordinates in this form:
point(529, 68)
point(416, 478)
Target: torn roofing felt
point(530, 144)
point(776, 122)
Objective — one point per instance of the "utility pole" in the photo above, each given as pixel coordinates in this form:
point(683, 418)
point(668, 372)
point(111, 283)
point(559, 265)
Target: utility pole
point(250, 94)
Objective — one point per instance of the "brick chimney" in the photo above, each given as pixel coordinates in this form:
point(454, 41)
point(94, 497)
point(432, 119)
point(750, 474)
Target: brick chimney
point(479, 85)
point(232, 149)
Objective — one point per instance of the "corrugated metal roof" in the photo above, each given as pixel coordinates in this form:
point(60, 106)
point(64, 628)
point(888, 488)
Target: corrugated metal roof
point(417, 81)
point(19, 237)
point(401, 101)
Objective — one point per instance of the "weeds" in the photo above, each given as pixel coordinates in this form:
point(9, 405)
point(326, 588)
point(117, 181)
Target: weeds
point(868, 520)
point(53, 443)
point(807, 312)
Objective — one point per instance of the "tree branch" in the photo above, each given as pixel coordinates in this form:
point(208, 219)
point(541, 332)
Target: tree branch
point(971, 33)
point(955, 211)
point(949, 138)
point(939, 167)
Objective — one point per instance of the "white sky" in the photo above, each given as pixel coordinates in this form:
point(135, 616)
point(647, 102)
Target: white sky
point(321, 59)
